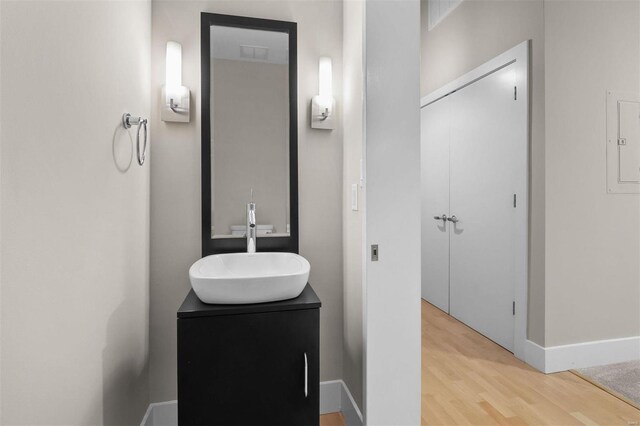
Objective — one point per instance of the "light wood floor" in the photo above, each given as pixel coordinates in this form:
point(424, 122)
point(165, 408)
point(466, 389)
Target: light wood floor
point(333, 419)
point(469, 380)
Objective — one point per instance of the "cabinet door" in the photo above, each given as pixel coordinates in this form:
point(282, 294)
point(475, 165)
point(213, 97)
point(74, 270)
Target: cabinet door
point(249, 369)
point(435, 134)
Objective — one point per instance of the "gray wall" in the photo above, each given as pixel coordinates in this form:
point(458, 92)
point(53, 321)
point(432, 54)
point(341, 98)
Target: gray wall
point(250, 143)
point(175, 175)
point(584, 275)
point(593, 239)
point(353, 114)
point(75, 237)
point(472, 34)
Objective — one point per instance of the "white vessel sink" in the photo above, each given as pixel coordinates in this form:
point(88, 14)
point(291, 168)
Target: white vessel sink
point(237, 278)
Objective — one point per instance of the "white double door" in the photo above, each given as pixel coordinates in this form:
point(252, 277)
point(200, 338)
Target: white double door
point(473, 173)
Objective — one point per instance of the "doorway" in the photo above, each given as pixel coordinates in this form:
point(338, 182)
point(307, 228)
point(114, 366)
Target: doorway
point(475, 134)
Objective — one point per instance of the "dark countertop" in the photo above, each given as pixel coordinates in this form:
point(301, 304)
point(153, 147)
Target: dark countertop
point(192, 307)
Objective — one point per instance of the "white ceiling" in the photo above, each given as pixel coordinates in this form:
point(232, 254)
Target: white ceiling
point(269, 46)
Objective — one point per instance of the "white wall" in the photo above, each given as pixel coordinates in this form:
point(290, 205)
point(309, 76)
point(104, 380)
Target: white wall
point(392, 154)
point(175, 175)
point(75, 240)
point(352, 234)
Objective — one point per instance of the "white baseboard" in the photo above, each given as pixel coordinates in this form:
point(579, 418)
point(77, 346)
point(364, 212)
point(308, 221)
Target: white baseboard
point(350, 410)
point(330, 396)
point(582, 355)
point(161, 414)
point(334, 397)
point(534, 355)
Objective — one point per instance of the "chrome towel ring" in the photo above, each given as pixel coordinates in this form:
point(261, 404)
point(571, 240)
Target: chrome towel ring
point(127, 122)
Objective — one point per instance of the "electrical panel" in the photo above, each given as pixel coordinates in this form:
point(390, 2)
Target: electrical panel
point(623, 143)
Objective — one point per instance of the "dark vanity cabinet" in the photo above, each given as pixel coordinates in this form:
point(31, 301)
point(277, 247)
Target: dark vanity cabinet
point(252, 364)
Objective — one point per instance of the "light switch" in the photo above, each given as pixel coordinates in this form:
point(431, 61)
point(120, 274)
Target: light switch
point(354, 197)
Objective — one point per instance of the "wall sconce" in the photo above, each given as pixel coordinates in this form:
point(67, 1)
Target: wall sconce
point(323, 105)
point(175, 96)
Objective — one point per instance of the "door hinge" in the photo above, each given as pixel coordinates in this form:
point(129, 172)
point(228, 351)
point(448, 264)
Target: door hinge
point(514, 307)
point(515, 201)
point(515, 93)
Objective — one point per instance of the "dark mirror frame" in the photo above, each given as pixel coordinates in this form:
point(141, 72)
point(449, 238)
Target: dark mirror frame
point(234, 245)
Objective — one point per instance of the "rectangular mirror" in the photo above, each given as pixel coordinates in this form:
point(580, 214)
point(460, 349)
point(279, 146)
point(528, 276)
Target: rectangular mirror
point(249, 132)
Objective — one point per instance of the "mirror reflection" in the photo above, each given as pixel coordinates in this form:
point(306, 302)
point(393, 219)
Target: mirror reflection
point(249, 131)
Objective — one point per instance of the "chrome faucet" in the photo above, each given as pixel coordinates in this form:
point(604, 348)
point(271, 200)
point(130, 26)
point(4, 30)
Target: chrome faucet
point(251, 226)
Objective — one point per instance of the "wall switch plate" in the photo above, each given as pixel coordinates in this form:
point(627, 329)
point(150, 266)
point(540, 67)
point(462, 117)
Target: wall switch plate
point(354, 197)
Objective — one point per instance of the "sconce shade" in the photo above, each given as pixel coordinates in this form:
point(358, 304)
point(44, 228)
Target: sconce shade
point(323, 105)
point(325, 82)
point(173, 70)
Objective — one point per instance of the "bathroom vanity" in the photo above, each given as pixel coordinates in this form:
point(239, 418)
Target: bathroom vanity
point(252, 364)
point(247, 357)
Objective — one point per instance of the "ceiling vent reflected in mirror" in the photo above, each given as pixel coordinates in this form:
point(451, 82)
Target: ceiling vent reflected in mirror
point(256, 53)
point(250, 45)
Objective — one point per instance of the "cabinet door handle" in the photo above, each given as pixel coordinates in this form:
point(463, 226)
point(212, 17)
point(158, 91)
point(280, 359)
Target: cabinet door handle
point(306, 376)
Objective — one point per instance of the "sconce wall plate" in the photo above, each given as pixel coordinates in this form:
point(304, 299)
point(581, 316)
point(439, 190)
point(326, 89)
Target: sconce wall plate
point(179, 110)
point(323, 116)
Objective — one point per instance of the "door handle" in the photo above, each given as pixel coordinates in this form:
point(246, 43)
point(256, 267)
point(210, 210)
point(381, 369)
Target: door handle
point(453, 219)
point(306, 376)
point(442, 218)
